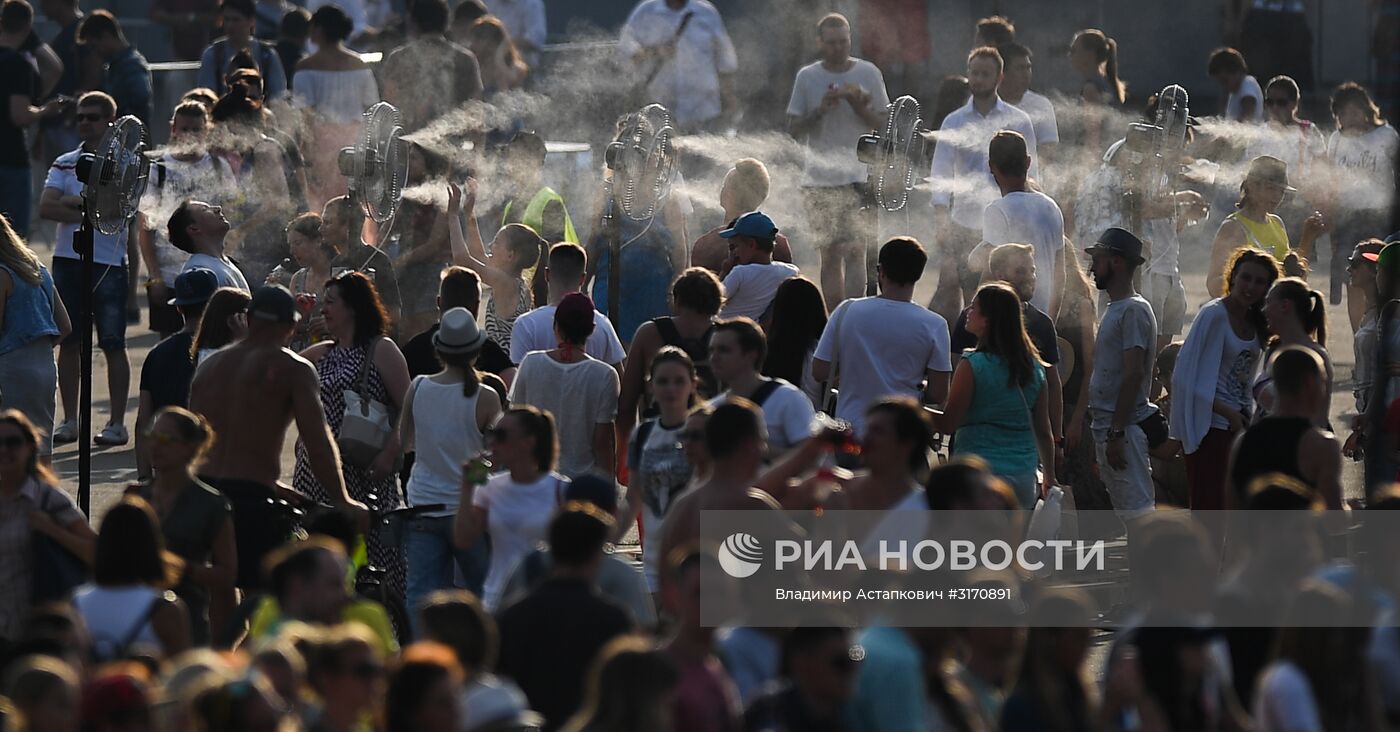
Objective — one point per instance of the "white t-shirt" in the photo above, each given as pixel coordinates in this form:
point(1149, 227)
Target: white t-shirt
point(205, 179)
point(831, 146)
point(687, 83)
point(223, 267)
point(787, 414)
point(1042, 114)
point(517, 517)
point(534, 331)
point(1249, 88)
point(960, 176)
point(106, 249)
point(580, 395)
point(1367, 168)
point(884, 348)
point(749, 288)
point(1284, 702)
point(1028, 218)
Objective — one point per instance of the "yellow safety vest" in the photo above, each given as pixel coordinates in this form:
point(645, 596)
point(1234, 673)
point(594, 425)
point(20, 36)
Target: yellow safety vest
point(1268, 235)
point(534, 218)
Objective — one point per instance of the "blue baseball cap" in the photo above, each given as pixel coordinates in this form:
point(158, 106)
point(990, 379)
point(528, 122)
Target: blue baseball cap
point(755, 224)
point(194, 286)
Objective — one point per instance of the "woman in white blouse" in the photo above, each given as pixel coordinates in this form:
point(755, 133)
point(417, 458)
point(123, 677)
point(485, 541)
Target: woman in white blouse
point(334, 86)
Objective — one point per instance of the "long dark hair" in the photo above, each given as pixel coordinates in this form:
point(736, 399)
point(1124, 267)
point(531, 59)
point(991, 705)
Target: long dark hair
point(1248, 255)
point(1308, 304)
point(1005, 335)
point(362, 297)
point(799, 317)
point(213, 330)
point(131, 549)
point(1105, 51)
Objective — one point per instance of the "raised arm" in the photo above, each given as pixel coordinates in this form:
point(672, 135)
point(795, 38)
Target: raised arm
point(467, 249)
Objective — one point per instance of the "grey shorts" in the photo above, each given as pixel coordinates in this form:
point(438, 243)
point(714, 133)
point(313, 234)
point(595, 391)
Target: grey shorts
point(28, 381)
point(1130, 490)
point(838, 216)
point(1167, 296)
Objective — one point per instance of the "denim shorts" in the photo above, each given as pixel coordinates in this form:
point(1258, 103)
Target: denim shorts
point(109, 290)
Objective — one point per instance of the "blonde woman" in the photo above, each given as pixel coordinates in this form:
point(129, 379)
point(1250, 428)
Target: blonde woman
point(32, 321)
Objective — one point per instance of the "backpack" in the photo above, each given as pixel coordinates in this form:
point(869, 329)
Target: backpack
point(697, 348)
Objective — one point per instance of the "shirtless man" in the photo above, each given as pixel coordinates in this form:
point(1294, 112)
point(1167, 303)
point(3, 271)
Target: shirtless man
point(250, 392)
point(735, 438)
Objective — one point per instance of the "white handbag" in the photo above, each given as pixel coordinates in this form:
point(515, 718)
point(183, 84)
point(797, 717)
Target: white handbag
point(367, 424)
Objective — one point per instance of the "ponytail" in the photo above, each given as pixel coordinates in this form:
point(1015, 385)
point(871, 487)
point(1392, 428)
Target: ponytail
point(1116, 86)
point(1316, 320)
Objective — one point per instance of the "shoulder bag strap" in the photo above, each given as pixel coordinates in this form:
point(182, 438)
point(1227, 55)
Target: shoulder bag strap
point(362, 379)
point(833, 381)
point(141, 623)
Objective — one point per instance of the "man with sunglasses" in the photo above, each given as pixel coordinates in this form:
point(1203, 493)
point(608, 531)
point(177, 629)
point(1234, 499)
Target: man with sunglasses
point(62, 202)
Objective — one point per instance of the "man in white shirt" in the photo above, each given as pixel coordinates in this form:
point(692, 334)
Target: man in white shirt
point(885, 345)
point(685, 58)
point(534, 331)
point(187, 170)
point(834, 102)
point(199, 229)
point(737, 350)
point(753, 281)
point(962, 182)
point(1244, 100)
point(1015, 90)
point(1023, 216)
point(525, 20)
point(62, 201)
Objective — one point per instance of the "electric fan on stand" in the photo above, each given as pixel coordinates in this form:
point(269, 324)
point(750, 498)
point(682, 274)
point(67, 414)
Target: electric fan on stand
point(896, 155)
point(377, 171)
point(1154, 166)
point(114, 178)
point(642, 159)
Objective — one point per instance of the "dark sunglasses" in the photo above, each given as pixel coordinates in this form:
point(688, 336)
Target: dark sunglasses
point(13, 442)
point(1279, 102)
point(94, 117)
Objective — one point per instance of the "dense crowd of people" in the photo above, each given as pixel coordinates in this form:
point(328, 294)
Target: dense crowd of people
point(479, 440)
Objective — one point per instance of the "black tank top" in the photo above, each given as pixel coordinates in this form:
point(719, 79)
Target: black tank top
point(1271, 446)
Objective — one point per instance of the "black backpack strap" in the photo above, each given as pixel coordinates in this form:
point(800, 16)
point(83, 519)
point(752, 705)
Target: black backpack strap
point(765, 390)
point(666, 326)
point(634, 451)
